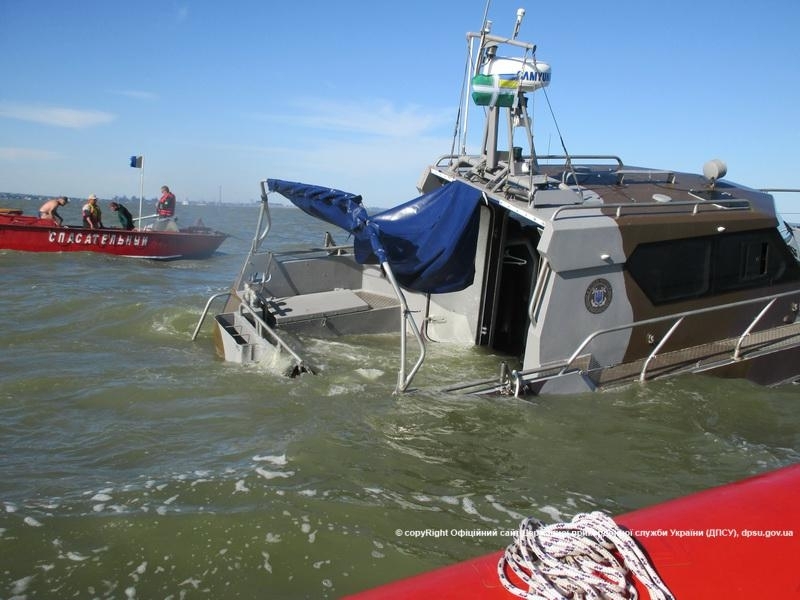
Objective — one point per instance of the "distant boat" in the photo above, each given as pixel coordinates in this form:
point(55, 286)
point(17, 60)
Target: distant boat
point(164, 242)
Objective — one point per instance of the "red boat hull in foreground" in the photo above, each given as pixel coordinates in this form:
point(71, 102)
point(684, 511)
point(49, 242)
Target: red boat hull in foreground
point(739, 541)
point(31, 234)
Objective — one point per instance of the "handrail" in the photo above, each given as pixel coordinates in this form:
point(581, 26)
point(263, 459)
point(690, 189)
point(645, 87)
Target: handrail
point(736, 350)
point(658, 347)
point(264, 212)
point(273, 334)
point(572, 157)
point(205, 312)
point(260, 235)
point(566, 364)
point(302, 251)
point(403, 380)
point(689, 313)
point(650, 207)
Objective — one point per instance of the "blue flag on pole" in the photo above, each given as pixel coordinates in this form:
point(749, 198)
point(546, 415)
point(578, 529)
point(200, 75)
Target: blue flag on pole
point(136, 161)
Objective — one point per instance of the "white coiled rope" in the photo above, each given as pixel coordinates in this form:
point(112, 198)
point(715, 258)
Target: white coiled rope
point(588, 558)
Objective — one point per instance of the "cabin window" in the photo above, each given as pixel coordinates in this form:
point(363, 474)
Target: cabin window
point(746, 260)
point(689, 268)
point(672, 270)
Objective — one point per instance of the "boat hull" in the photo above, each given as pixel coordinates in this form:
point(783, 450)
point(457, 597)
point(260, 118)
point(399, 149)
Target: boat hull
point(31, 234)
point(695, 543)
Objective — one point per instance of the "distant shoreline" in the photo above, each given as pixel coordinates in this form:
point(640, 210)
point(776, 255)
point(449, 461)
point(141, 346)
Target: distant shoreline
point(19, 197)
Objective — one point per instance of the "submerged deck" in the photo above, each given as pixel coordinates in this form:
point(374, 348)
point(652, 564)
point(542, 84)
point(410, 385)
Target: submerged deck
point(714, 356)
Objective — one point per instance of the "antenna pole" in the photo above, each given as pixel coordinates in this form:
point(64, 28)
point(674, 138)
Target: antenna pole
point(520, 14)
point(141, 192)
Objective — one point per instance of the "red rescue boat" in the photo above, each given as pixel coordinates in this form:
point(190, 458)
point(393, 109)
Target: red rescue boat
point(32, 234)
point(739, 541)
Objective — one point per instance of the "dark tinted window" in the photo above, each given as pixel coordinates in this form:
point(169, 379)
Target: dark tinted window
point(672, 270)
point(683, 269)
point(746, 260)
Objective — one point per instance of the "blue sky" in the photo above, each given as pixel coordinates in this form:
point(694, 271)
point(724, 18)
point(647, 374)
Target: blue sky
point(362, 95)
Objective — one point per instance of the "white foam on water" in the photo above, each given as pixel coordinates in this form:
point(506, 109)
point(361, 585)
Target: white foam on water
point(21, 585)
point(241, 487)
point(307, 493)
point(371, 374)
point(195, 583)
point(10, 508)
point(272, 538)
point(500, 508)
point(76, 556)
point(340, 390)
point(469, 507)
point(277, 460)
point(274, 474)
point(552, 512)
point(267, 566)
point(32, 522)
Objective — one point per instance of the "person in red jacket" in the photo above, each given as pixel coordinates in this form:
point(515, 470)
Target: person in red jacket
point(166, 204)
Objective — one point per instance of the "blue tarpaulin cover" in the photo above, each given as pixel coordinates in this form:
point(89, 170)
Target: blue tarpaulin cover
point(429, 242)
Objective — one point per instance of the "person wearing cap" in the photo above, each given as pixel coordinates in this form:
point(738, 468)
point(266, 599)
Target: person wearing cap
point(166, 204)
point(125, 218)
point(49, 210)
point(91, 214)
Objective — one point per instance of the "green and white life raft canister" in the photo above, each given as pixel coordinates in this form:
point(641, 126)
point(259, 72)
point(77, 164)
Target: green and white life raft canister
point(500, 78)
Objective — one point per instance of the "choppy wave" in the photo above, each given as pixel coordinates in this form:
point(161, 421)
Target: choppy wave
point(137, 464)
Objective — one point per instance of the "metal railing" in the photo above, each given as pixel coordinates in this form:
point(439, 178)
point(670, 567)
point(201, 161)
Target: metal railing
point(205, 312)
point(565, 365)
point(629, 209)
point(262, 327)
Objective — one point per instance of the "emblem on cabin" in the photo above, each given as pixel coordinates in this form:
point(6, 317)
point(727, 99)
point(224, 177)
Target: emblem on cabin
point(598, 296)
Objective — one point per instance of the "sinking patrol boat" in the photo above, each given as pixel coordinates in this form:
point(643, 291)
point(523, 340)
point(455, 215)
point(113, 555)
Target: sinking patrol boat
point(583, 271)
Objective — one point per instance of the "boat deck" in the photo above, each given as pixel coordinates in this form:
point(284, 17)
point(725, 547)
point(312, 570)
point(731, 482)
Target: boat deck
point(705, 357)
point(326, 305)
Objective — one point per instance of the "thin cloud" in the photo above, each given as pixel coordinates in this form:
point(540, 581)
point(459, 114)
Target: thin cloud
point(57, 116)
point(26, 154)
point(135, 94)
point(378, 118)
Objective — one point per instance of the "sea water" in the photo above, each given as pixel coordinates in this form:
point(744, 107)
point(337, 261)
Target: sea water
point(134, 463)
